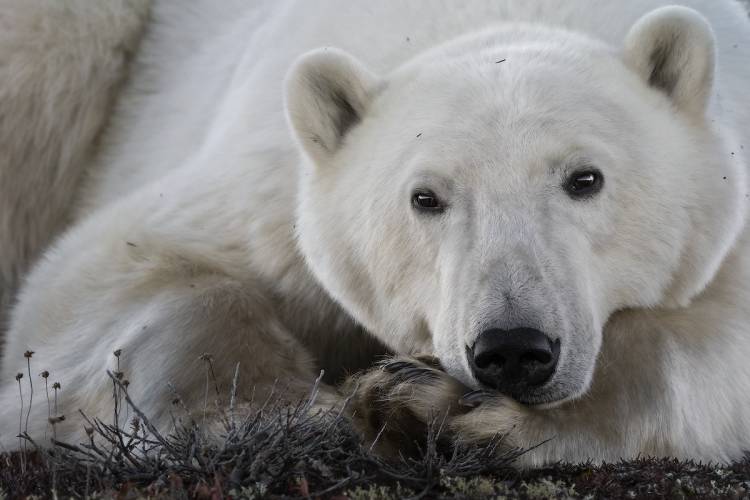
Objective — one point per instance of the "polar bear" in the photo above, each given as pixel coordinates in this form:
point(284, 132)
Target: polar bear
point(538, 211)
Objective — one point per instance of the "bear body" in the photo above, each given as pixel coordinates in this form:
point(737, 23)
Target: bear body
point(62, 65)
point(267, 216)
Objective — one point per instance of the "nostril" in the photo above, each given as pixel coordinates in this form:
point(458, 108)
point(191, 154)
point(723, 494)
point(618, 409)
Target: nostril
point(489, 359)
point(530, 357)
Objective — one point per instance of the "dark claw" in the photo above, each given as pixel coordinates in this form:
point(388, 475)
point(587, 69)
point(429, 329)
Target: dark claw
point(430, 361)
point(473, 399)
point(397, 366)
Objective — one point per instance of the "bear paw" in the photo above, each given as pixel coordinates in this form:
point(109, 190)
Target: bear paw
point(403, 402)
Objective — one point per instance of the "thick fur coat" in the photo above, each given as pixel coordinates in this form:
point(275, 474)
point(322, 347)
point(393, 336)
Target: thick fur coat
point(281, 183)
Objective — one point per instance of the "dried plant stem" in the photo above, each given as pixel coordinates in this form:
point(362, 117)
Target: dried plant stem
point(31, 392)
point(21, 442)
point(205, 398)
point(49, 405)
point(233, 395)
point(53, 420)
point(116, 388)
point(213, 377)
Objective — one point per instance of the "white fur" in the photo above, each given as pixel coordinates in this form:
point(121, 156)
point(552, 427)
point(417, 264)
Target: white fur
point(60, 66)
point(207, 226)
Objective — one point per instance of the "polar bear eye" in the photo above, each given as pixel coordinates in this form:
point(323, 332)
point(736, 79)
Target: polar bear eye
point(426, 201)
point(584, 183)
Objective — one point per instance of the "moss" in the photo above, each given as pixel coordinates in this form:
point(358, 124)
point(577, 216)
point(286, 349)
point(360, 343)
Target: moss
point(476, 487)
point(379, 492)
point(252, 492)
point(547, 488)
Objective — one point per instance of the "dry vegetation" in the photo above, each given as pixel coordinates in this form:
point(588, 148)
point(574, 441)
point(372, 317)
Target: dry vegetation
point(293, 452)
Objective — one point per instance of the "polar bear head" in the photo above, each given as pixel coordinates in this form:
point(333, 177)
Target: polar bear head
point(496, 199)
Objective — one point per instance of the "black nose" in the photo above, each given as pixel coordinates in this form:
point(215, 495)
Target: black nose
point(514, 361)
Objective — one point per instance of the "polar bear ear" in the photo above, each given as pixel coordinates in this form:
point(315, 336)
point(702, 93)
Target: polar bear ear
point(673, 49)
point(327, 93)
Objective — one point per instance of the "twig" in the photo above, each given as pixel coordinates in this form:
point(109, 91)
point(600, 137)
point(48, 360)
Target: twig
point(55, 387)
point(28, 355)
point(45, 376)
point(21, 444)
point(141, 415)
point(233, 394)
